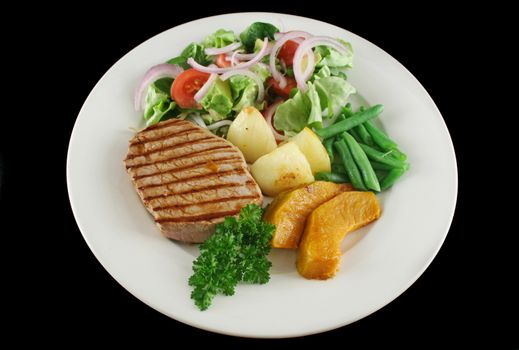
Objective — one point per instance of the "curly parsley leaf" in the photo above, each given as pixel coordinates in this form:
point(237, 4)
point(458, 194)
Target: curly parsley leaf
point(237, 252)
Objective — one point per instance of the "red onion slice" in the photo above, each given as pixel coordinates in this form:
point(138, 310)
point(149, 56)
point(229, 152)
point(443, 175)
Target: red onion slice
point(205, 88)
point(219, 124)
point(253, 76)
point(213, 51)
point(159, 71)
point(269, 113)
point(262, 53)
point(233, 57)
point(304, 47)
point(275, 49)
point(195, 118)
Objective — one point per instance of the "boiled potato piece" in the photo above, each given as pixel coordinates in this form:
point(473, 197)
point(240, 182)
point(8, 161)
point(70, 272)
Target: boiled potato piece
point(251, 134)
point(290, 209)
point(313, 149)
point(320, 248)
point(282, 169)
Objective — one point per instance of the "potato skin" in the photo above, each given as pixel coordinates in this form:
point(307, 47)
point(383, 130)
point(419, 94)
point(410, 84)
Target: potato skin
point(313, 149)
point(282, 169)
point(319, 254)
point(290, 209)
point(251, 134)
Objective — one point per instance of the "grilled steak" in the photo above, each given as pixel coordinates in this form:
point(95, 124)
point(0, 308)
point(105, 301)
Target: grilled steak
point(188, 178)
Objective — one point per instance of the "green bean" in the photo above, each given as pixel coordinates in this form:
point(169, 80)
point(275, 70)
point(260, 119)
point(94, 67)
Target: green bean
point(355, 134)
point(366, 170)
point(349, 123)
point(398, 154)
point(381, 174)
point(391, 178)
point(328, 144)
point(338, 168)
point(384, 158)
point(332, 177)
point(379, 137)
point(349, 164)
point(379, 166)
point(346, 111)
point(364, 135)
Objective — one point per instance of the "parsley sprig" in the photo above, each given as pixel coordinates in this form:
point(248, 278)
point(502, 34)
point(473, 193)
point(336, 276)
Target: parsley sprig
point(236, 252)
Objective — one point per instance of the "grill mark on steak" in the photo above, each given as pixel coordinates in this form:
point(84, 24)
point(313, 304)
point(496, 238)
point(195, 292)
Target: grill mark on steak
point(178, 157)
point(137, 141)
point(216, 200)
point(203, 195)
point(207, 139)
point(211, 187)
point(179, 174)
point(195, 165)
point(202, 217)
point(175, 140)
point(238, 171)
point(171, 164)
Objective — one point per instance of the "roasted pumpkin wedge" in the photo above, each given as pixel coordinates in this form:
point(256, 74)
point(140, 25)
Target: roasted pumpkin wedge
point(290, 209)
point(319, 254)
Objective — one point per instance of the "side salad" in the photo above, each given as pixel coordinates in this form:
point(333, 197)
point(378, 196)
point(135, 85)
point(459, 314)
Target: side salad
point(299, 77)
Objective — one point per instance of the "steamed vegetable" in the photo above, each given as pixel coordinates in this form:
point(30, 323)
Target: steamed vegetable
point(383, 157)
point(313, 150)
point(351, 122)
point(251, 134)
point(362, 162)
point(332, 177)
point(320, 248)
point(349, 164)
point(391, 177)
point(282, 169)
point(236, 252)
point(290, 209)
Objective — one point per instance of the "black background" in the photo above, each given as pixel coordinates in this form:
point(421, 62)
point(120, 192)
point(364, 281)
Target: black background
point(466, 297)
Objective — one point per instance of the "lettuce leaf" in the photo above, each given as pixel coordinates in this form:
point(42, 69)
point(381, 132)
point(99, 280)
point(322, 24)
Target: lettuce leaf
point(192, 50)
point(220, 38)
point(315, 119)
point(157, 105)
point(332, 58)
point(333, 93)
point(245, 91)
point(257, 30)
point(218, 99)
point(292, 115)
point(304, 109)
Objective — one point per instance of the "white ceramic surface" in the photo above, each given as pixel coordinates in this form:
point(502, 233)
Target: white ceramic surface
point(380, 261)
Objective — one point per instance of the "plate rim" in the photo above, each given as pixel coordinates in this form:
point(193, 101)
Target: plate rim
point(201, 325)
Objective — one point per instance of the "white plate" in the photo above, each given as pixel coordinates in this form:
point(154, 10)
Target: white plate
point(381, 261)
